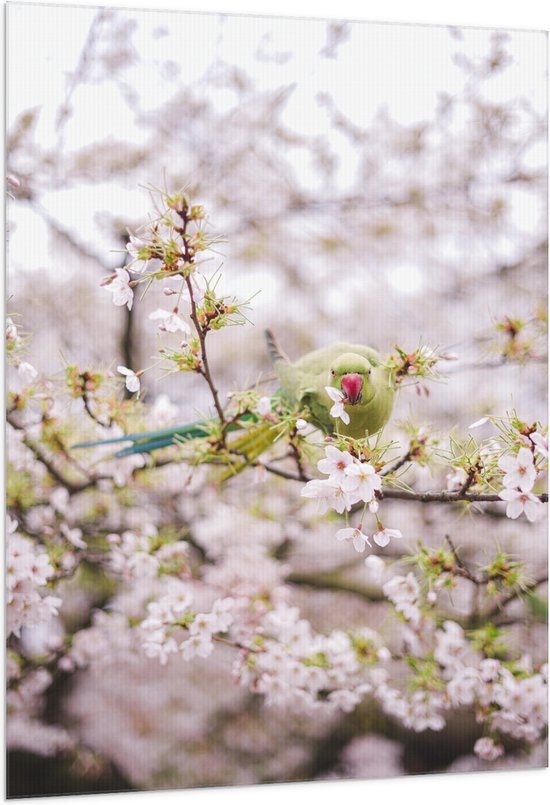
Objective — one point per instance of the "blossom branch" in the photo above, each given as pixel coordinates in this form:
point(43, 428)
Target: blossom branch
point(420, 497)
point(204, 368)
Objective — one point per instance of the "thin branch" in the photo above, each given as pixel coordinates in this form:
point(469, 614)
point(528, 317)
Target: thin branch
point(420, 497)
point(205, 369)
point(44, 459)
point(461, 569)
point(397, 466)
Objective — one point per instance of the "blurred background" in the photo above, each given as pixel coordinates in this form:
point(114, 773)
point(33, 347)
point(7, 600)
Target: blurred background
point(381, 184)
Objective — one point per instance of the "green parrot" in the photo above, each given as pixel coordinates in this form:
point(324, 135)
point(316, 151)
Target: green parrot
point(344, 388)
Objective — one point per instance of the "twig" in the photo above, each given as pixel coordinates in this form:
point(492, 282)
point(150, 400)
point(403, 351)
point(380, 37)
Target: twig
point(41, 456)
point(204, 369)
point(397, 466)
point(420, 497)
point(461, 569)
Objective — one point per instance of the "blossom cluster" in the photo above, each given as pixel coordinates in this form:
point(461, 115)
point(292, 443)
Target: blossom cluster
point(143, 554)
point(172, 625)
point(349, 481)
point(28, 572)
point(167, 250)
point(519, 478)
point(280, 656)
point(509, 698)
point(294, 667)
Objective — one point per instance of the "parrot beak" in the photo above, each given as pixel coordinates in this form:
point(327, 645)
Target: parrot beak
point(352, 386)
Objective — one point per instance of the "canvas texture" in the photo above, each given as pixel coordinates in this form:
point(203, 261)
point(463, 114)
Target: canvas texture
point(276, 413)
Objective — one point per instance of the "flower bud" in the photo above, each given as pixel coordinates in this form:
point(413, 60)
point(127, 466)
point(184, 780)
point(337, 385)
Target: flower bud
point(107, 280)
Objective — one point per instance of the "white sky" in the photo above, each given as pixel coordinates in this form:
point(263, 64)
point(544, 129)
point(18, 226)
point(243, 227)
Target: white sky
point(400, 67)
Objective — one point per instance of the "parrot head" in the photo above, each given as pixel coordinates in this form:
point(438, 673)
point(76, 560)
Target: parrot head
point(353, 375)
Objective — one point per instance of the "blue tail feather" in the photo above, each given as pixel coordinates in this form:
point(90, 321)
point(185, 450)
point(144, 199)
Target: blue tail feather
point(194, 430)
point(154, 440)
point(152, 444)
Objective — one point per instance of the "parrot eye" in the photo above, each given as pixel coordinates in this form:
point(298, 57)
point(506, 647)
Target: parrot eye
point(332, 372)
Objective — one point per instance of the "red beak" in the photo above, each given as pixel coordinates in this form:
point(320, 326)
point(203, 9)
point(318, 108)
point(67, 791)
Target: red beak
point(352, 386)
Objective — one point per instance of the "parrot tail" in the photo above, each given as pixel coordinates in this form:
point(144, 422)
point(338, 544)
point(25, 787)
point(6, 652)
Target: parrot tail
point(153, 440)
point(275, 352)
point(156, 439)
point(249, 447)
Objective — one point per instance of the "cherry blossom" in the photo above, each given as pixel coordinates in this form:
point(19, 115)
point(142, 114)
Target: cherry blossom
point(328, 495)
point(541, 444)
point(456, 479)
point(335, 463)
point(403, 591)
point(303, 427)
point(264, 406)
point(338, 411)
point(375, 566)
point(121, 289)
point(27, 372)
point(487, 749)
point(362, 481)
point(132, 381)
point(135, 245)
point(383, 536)
point(170, 322)
point(519, 470)
point(478, 423)
point(521, 503)
point(356, 536)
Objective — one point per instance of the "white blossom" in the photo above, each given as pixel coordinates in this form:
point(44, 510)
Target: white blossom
point(519, 470)
point(121, 290)
point(328, 495)
point(134, 246)
point(338, 411)
point(169, 321)
point(383, 536)
point(403, 592)
point(456, 479)
point(27, 372)
point(73, 535)
point(335, 463)
point(478, 423)
point(355, 536)
point(521, 503)
point(362, 481)
point(303, 427)
point(132, 380)
point(375, 566)
point(264, 406)
point(163, 411)
point(486, 749)
point(541, 444)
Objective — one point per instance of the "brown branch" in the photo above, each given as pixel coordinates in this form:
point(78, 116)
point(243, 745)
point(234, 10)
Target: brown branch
point(205, 368)
point(44, 459)
point(397, 466)
point(295, 454)
point(419, 497)
point(461, 569)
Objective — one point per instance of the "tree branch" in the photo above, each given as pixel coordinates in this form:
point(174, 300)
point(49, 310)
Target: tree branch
point(420, 497)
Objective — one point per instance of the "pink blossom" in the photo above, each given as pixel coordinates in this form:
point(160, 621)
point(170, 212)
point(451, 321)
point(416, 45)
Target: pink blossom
point(356, 536)
point(121, 290)
point(519, 470)
point(521, 503)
